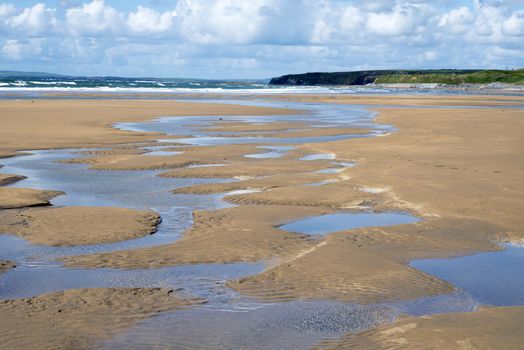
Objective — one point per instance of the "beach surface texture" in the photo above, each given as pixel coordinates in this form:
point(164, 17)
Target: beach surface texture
point(455, 164)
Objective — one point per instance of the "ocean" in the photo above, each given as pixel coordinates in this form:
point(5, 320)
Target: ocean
point(150, 85)
point(34, 85)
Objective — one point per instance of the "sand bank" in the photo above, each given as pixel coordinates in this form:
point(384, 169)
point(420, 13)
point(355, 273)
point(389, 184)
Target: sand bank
point(80, 318)
point(70, 226)
point(264, 183)
point(25, 197)
point(338, 269)
point(6, 265)
point(6, 179)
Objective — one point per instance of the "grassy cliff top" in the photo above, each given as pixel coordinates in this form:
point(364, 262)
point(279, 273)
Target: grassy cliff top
point(480, 77)
point(432, 76)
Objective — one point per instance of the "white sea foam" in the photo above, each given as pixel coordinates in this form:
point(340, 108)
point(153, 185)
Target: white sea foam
point(44, 82)
point(22, 87)
point(19, 83)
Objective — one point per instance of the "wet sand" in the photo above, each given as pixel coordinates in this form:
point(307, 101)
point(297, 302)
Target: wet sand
point(490, 328)
point(214, 238)
point(6, 179)
point(80, 318)
point(25, 197)
point(411, 100)
point(70, 226)
point(460, 169)
point(6, 265)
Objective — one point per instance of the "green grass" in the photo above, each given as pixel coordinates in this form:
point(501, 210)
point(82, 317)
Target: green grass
point(480, 77)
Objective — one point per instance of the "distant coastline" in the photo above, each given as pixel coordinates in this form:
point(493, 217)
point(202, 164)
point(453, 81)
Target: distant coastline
point(406, 78)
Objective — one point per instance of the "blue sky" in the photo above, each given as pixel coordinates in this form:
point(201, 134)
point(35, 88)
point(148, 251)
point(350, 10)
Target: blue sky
point(257, 38)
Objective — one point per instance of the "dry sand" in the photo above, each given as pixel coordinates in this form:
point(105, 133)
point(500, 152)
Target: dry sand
point(490, 328)
point(80, 318)
point(70, 226)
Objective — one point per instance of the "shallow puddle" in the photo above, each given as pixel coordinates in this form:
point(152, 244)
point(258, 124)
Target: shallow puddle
point(289, 325)
point(493, 278)
point(203, 280)
point(318, 156)
point(330, 171)
point(275, 152)
point(130, 189)
point(194, 128)
point(322, 183)
point(324, 224)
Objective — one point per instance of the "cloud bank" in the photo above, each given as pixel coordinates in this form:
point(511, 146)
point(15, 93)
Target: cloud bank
point(258, 38)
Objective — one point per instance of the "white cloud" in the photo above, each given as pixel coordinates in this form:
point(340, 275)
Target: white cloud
point(93, 19)
point(457, 21)
point(146, 20)
point(17, 50)
point(514, 25)
point(352, 19)
point(7, 9)
point(261, 36)
point(33, 20)
point(397, 22)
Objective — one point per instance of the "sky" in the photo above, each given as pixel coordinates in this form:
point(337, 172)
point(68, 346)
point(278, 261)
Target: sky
point(219, 39)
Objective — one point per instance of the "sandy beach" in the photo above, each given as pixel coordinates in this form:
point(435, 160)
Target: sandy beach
point(459, 169)
point(261, 175)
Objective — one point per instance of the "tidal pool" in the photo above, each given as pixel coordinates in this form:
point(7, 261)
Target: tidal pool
point(324, 224)
point(275, 152)
point(493, 278)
